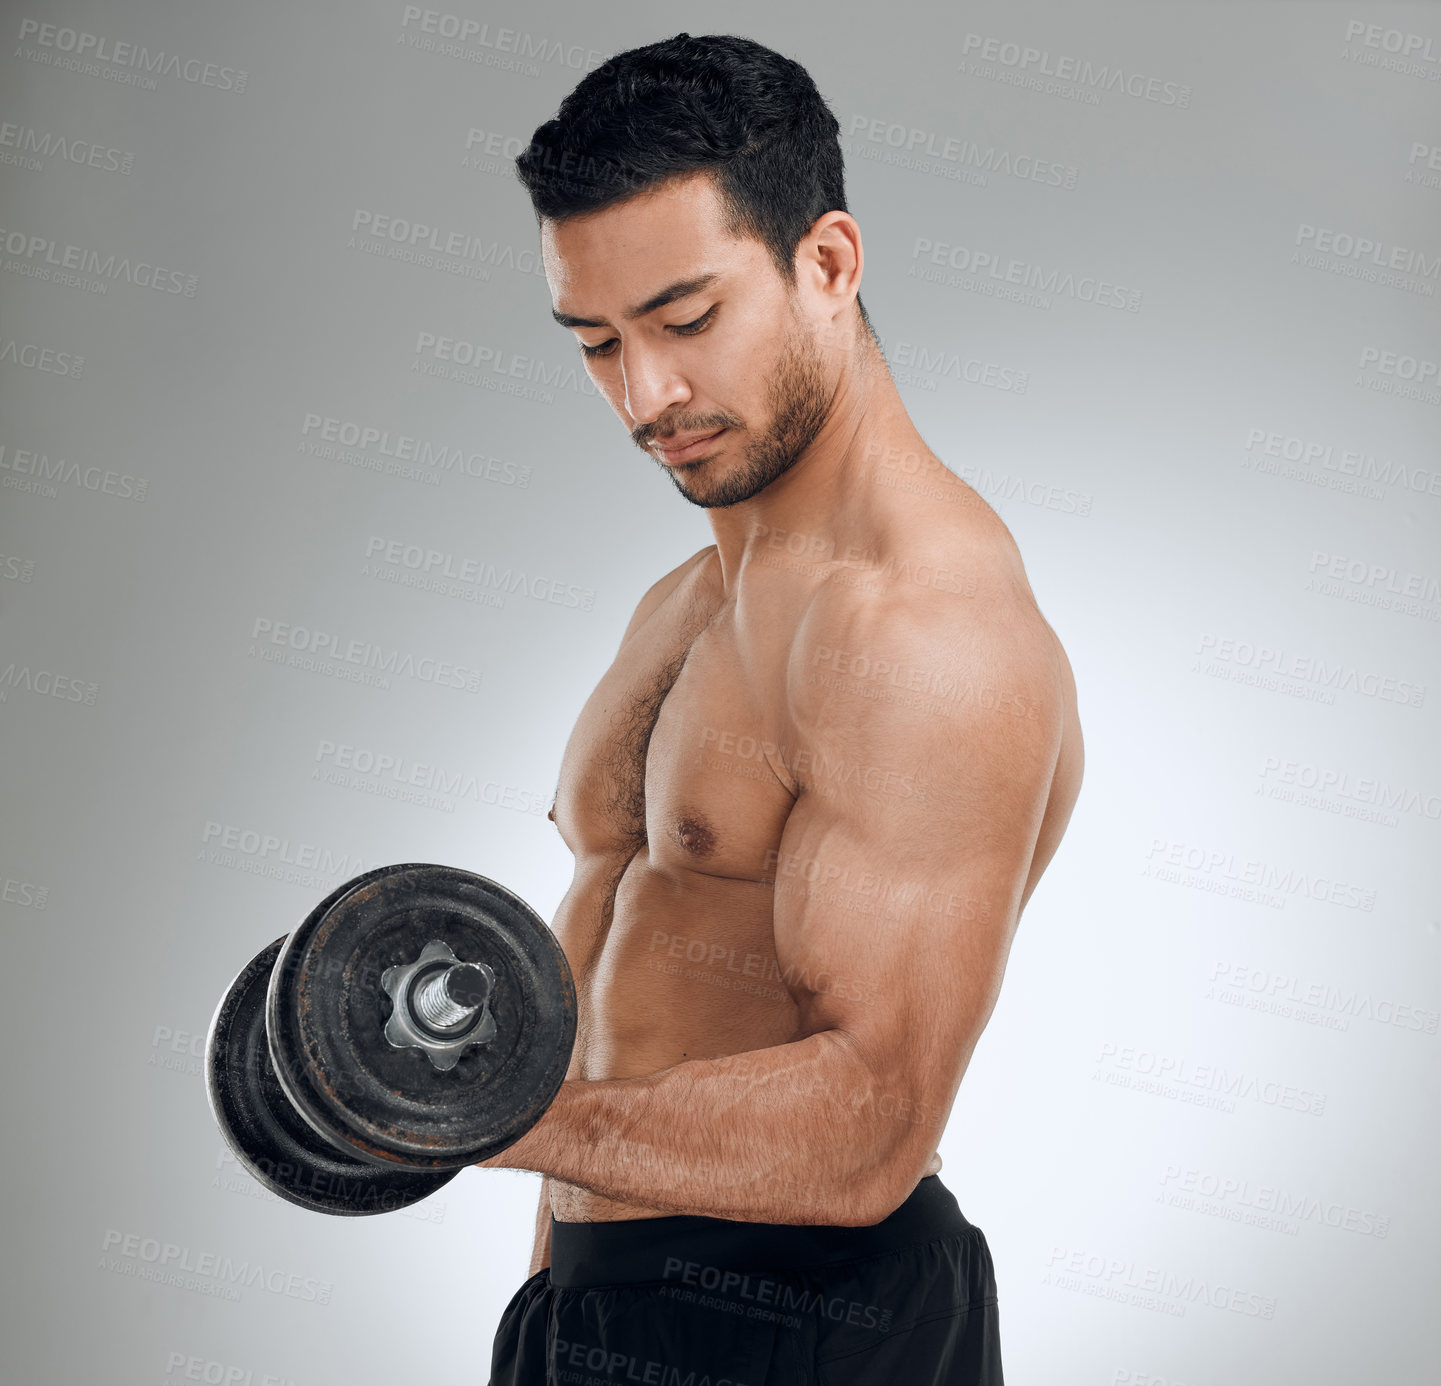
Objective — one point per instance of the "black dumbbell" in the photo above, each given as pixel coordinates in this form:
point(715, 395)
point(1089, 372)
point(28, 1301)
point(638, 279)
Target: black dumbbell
point(420, 1019)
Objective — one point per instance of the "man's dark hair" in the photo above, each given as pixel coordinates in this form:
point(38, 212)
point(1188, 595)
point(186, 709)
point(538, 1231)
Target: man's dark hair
point(718, 104)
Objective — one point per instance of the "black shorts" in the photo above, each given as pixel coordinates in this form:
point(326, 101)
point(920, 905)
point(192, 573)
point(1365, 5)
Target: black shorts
point(692, 1301)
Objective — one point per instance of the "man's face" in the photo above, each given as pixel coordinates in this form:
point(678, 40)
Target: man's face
point(688, 332)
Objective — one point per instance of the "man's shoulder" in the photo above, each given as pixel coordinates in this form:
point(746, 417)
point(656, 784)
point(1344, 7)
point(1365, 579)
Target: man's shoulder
point(959, 580)
point(937, 617)
point(664, 587)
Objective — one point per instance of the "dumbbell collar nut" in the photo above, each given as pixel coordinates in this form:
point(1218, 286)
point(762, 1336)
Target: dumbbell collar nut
point(406, 1029)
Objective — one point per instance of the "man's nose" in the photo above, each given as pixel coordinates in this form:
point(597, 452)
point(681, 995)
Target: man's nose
point(651, 384)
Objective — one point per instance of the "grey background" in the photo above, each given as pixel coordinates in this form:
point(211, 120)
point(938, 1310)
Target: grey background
point(173, 800)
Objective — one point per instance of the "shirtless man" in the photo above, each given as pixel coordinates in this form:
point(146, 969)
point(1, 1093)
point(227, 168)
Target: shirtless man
point(807, 802)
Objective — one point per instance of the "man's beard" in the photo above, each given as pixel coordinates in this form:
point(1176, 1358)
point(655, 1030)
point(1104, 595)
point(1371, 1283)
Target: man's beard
point(799, 402)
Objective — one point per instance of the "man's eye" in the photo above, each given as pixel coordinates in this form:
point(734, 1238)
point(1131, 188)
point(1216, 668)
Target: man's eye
point(685, 329)
point(689, 329)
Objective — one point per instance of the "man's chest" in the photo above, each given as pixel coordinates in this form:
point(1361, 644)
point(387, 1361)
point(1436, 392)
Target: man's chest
point(679, 750)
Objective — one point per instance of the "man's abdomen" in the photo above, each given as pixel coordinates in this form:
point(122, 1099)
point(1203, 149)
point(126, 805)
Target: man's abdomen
point(686, 970)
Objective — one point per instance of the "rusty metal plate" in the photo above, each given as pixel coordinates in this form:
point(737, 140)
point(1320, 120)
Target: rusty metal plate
point(268, 1135)
point(326, 1013)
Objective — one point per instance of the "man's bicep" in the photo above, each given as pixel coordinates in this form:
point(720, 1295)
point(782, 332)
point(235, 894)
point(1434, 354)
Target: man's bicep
point(870, 931)
point(900, 870)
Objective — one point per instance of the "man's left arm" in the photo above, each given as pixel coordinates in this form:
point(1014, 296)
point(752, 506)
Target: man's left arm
point(927, 736)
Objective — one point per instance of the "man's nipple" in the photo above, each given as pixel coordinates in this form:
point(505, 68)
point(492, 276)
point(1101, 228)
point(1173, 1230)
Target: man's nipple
point(695, 836)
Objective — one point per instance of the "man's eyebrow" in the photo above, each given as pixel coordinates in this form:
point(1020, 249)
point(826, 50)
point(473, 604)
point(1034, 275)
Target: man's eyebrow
point(680, 289)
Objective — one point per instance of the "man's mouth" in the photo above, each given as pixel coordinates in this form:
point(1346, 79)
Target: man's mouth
point(684, 447)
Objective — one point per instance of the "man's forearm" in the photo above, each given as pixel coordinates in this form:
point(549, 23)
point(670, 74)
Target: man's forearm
point(797, 1133)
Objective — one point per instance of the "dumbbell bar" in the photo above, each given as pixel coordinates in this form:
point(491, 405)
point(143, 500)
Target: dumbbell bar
point(420, 1019)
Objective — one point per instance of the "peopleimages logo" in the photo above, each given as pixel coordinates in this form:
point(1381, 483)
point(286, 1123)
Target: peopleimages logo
point(13, 568)
point(359, 661)
point(458, 36)
point(1115, 1277)
point(282, 858)
point(1021, 65)
point(46, 683)
point(489, 151)
point(432, 786)
point(180, 1366)
point(778, 1294)
point(1269, 1206)
point(1383, 576)
point(78, 50)
point(1224, 872)
point(1392, 50)
point(447, 249)
point(495, 368)
point(1337, 790)
point(480, 573)
point(962, 266)
point(36, 357)
point(209, 1272)
point(1271, 665)
point(373, 448)
point(1395, 265)
point(916, 147)
point(1209, 1085)
point(28, 470)
point(26, 893)
point(42, 256)
point(1351, 469)
point(926, 365)
point(1400, 374)
point(32, 147)
point(1312, 1002)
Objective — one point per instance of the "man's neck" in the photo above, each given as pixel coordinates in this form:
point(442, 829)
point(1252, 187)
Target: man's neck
point(831, 495)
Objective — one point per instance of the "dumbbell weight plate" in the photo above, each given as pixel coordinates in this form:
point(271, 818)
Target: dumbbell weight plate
point(326, 1012)
point(267, 1134)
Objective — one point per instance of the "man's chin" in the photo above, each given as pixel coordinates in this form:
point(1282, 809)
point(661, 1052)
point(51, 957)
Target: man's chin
point(687, 479)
